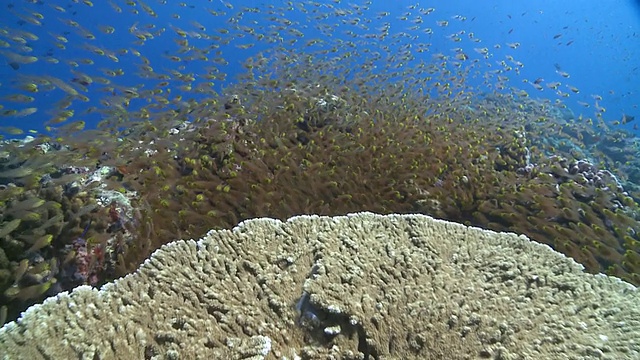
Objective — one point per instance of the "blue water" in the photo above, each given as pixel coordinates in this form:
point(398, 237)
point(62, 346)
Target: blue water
point(596, 43)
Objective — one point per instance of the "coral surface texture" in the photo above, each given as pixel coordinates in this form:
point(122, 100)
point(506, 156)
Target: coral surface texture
point(361, 286)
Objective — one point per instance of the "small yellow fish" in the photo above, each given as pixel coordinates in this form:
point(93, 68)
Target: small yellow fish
point(584, 104)
point(11, 130)
point(29, 292)
point(115, 7)
point(461, 56)
point(113, 58)
point(553, 85)
point(74, 126)
point(61, 85)
point(59, 38)
point(40, 243)
point(15, 60)
point(26, 112)
point(19, 98)
point(107, 29)
point(20, 270)
point(69, 22)
point(573, 89)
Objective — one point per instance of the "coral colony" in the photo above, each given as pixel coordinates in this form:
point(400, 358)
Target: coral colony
point(315, 124)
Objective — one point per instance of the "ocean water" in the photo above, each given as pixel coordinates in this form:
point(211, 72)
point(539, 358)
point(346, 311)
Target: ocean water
point(595, 43)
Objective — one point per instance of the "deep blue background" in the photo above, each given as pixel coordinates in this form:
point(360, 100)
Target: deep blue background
point(602, 58)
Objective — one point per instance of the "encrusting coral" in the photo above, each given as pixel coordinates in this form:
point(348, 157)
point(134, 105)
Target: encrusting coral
point(361, 286)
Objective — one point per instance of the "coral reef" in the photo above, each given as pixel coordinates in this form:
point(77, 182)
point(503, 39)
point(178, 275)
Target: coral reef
point(59, 227)
point(361, 286)
point(167, 180)
point(304, 158)
point(388, 120)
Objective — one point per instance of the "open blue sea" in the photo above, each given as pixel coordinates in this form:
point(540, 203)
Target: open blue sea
point(590, 48)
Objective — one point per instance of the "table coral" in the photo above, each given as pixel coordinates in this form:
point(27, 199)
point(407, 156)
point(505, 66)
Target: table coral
point(361, 286)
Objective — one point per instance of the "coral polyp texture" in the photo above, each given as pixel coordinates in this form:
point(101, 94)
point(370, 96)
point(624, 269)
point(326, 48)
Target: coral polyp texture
point(361, 286)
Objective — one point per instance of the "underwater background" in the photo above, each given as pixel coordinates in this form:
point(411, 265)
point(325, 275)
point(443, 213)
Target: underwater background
point(159, 120)
point(596, 43)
